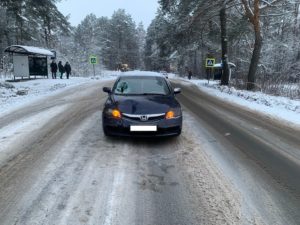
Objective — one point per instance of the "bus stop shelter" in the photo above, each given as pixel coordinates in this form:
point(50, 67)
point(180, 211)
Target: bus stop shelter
point(218, 70)
point(29, 61)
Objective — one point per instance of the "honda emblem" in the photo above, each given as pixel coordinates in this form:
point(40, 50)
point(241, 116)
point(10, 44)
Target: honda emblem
point(144, 118)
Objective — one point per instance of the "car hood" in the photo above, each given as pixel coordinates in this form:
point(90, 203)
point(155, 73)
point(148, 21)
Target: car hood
point(150, 104)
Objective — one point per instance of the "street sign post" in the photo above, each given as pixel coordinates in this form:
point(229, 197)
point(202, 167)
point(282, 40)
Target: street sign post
point(210, 62)
point(93, 60)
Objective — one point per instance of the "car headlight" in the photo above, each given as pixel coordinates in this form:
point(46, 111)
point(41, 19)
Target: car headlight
point(173, 113)
point(114, 113)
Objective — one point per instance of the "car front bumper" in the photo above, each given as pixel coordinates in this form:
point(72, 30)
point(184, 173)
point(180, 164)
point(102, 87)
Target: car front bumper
point(121, 127)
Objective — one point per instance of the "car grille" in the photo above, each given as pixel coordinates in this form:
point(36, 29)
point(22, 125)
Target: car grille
point(144, 117)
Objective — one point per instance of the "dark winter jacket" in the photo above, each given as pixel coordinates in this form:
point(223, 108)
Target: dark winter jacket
point(53, 67)
point(61, 68)
point(68, 68)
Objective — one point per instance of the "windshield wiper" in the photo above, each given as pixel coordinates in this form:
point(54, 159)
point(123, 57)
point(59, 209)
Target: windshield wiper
point(135, 94)
point(152, 94)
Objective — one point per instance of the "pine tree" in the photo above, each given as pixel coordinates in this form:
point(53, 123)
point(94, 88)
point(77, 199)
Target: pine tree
point(141, 39)
point(122, 43)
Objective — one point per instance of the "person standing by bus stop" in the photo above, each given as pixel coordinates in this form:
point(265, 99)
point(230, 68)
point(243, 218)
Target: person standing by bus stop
point(68, 69)
point(53, 67)
point(61, 69)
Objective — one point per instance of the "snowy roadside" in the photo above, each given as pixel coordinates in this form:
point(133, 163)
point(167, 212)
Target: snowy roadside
point(276, 107)
point(17, 94)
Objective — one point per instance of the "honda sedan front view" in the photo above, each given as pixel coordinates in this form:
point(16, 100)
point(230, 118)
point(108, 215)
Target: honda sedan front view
point(142, 105)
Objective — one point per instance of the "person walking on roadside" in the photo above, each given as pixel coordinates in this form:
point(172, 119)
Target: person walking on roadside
point(68, 69)
point(53, 67)
point(61, 69)
point(190, 73)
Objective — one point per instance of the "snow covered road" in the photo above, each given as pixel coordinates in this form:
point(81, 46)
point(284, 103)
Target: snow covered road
point(260, 155)
point(56, 167)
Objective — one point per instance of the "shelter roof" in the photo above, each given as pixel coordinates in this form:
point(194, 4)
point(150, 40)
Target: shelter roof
point(28, 50)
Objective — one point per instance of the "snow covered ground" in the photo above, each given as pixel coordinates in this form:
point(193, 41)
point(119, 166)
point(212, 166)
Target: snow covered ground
point(280, 108)
point(16, 94)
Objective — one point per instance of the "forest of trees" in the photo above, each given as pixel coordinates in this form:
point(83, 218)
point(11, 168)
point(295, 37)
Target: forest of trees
point(114, 40)
point(260, 36)
point(31, 22)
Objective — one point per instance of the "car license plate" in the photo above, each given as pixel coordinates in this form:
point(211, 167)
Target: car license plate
point(143, 128)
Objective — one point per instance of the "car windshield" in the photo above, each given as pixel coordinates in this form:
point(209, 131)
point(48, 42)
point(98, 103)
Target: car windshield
point(141, 86)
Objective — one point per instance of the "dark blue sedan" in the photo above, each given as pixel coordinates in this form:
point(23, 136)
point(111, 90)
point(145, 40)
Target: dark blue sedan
point(142, 105)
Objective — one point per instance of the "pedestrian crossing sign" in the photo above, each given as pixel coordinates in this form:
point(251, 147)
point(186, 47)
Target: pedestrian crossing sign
point(210, 62)
point(93, 59)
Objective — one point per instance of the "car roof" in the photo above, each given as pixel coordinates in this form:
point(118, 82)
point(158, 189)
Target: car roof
point(141, 74)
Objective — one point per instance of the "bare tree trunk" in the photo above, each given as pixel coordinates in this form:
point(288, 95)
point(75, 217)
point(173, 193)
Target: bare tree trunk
point(224, 42)
point(254, 61)
point(296, 31)
point(47, 31)
point(254, 17)
point(5, 28)
point(50, 41)
point(7, 33)
point(21, 31)
point(297, 8)
point(46, 37)
point(195, 67)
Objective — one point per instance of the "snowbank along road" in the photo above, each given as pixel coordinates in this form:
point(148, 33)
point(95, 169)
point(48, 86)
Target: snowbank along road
point(229, 166)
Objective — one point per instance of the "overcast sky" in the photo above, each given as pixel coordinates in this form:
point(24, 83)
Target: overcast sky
point(140, 10)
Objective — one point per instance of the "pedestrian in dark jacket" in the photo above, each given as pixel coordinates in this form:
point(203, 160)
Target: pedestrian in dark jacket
point(68, 69)
point(190, 73)
point(53, 67)
point(61, 69)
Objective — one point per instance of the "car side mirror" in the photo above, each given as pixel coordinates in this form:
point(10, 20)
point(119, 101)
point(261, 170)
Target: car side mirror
point(177, 90)
point(107, 90)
